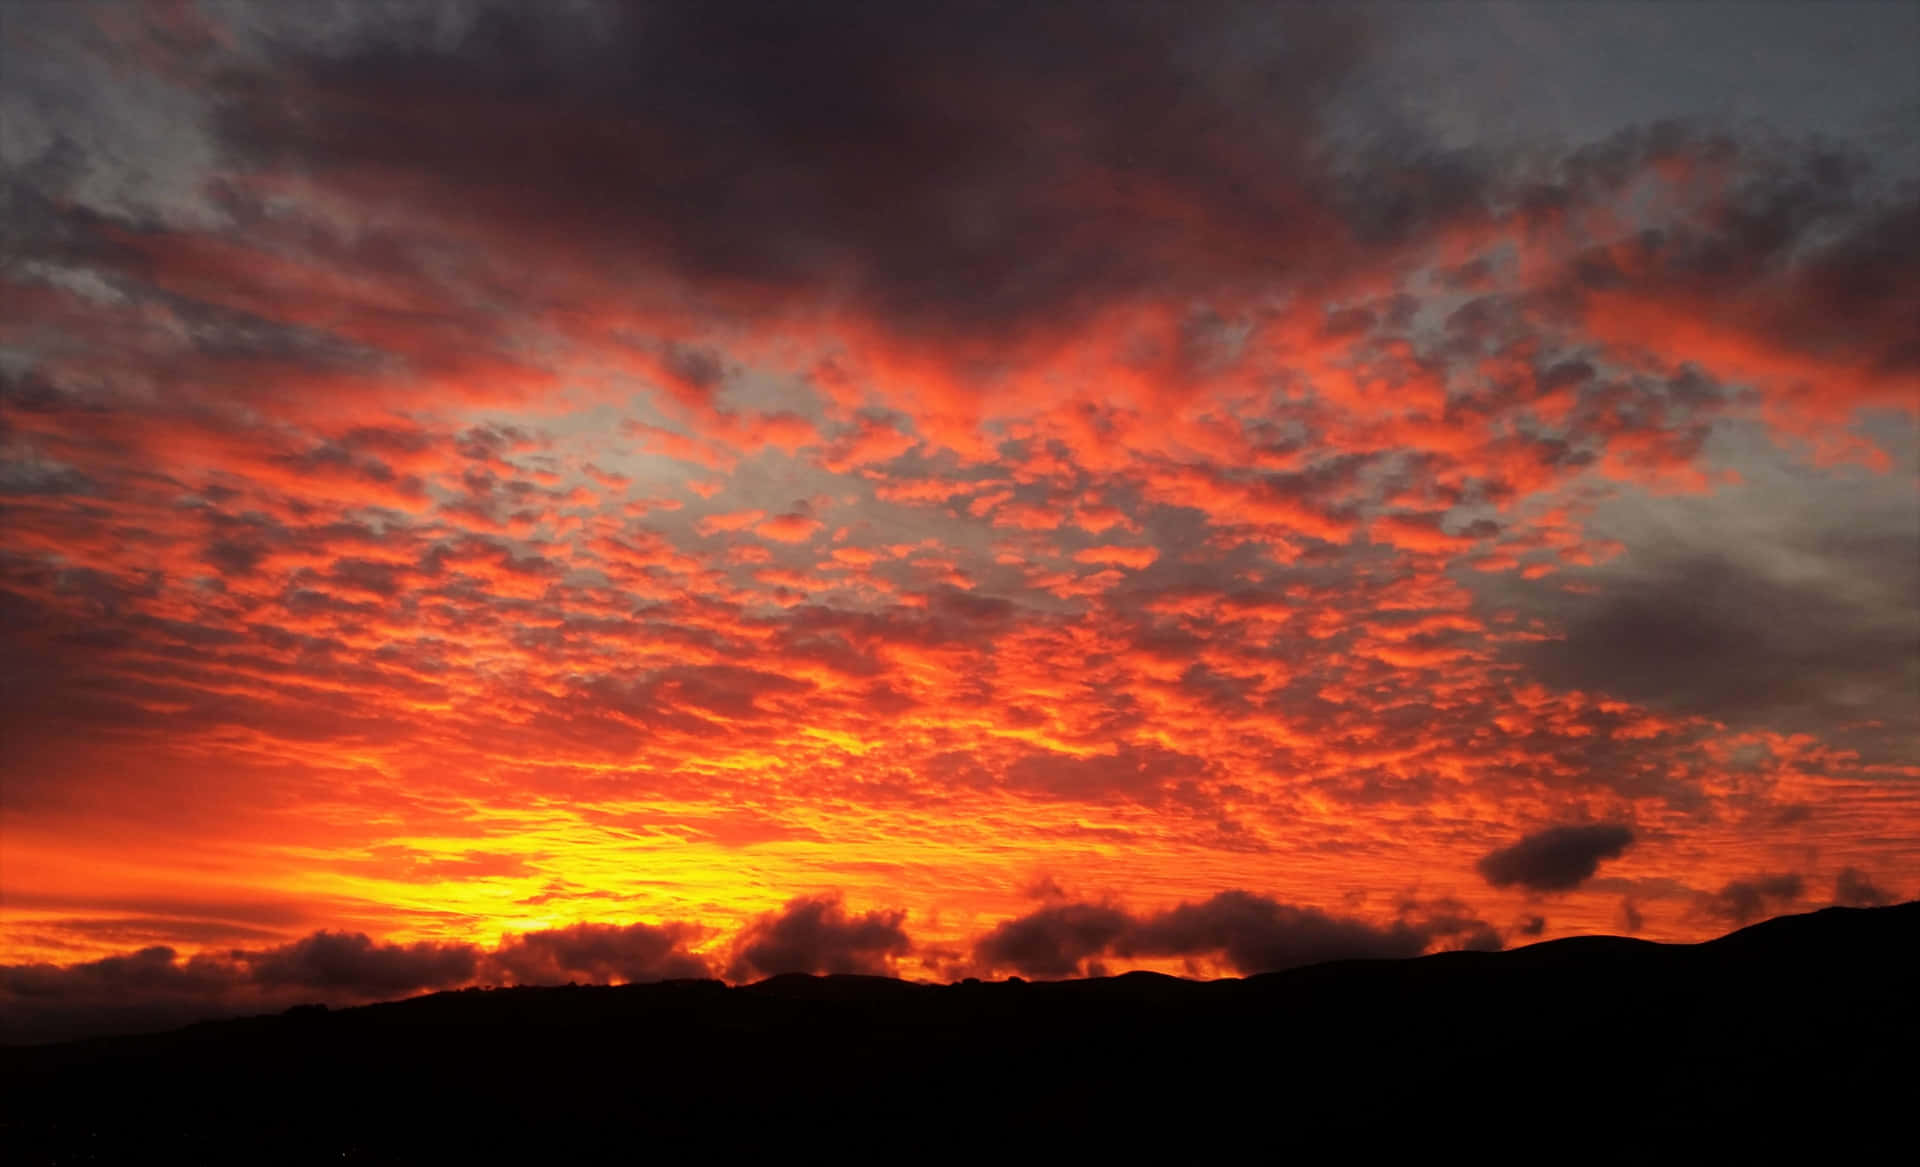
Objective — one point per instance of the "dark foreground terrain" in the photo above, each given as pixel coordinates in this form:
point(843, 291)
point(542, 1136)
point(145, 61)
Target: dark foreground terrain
point(1799, 1028)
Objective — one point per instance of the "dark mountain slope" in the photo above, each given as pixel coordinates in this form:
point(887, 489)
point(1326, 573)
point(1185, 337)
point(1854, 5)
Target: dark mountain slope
point(1802, 1026)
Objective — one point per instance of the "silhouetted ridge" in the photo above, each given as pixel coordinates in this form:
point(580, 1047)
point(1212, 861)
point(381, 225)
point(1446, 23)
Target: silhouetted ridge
point(838, 987)
point(1831, 929)
point(1645, 1040)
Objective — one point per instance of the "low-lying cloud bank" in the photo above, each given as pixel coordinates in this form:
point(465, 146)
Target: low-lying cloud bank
point(1243, 931)
point(1233, 931)
point(158, 987)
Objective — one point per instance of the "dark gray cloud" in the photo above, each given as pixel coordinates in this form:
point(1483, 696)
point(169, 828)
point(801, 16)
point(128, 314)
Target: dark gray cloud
point(351, 962)
point(1812, 253)
point(1052, 941)
point(144, 990)
point(85, 131)
point(1693, 617)
point(154, 969)
point(955, 166)
point(1258, 934)
point(965, 170)
point(597, 953)
point(1558, 858)
point(815, 934)
point(1742, 901)
point(1587, 68)
point(1704, 634)
point(155, 987)
point(1853, 888)
point(1252, 933)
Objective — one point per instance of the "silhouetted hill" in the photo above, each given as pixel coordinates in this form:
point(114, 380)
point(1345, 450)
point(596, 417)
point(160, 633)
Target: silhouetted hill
point(1800, 1026)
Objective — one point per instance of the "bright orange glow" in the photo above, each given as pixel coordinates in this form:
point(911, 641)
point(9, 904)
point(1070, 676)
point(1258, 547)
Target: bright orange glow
point(413, 552)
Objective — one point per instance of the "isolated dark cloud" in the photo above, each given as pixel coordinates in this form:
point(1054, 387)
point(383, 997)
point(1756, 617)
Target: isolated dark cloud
point(1556, 859)
point(815, 934)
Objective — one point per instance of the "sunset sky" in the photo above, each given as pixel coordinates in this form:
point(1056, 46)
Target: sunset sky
point(500, 492)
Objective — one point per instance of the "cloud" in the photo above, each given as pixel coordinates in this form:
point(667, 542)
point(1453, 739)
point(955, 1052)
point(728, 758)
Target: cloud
point(145, 990)
point(891, 157)
point(1557, 858)
point(1796, 284)
point(157, 968)
point(156, 987)
point(1742, 901)
point(975, 440)
point(1250, 933)
point(1134, 557)
point(1853, 889)
point(815, 934)
point(597, 954)
point(789, 528)
point(1257, 934)
point(1053, 941)
point(353, 963)
point(1702, 633)
point(734, 521)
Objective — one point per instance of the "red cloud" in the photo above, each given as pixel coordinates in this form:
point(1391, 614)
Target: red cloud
point(1134, 557)
point(789, 528)
point(321, 558)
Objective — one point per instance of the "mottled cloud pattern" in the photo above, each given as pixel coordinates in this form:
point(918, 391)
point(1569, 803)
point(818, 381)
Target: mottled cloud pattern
point(638, 490)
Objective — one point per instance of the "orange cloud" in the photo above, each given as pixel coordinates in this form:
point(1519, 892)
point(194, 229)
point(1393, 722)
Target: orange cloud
point(789, 528)
point(355, 610)
point(1134, 557)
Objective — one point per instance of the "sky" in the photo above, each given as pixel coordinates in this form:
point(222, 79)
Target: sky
point(496, 492)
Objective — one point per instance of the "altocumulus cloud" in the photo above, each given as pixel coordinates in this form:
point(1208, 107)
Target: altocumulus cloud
point(673, 317)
